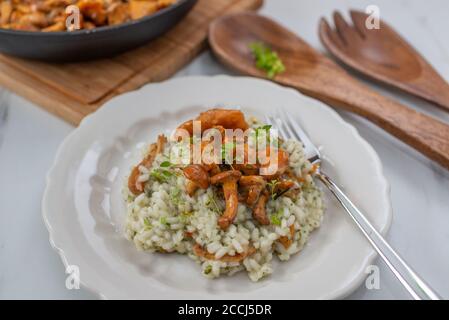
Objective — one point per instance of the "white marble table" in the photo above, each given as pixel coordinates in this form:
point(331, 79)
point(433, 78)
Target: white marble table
point(29, 137)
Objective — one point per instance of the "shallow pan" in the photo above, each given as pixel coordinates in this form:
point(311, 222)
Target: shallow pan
point(92, 44)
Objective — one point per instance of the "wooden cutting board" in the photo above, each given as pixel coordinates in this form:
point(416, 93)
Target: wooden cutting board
point(73, 90)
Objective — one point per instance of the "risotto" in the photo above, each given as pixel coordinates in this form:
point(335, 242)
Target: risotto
point(164, 213)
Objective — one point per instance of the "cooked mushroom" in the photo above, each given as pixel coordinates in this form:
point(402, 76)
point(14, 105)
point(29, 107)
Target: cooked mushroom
point(287, 241)
point(238, 257)
point(93, 10)
point(161, 141)
point(197, 178)
point(118, 13)
point(284, 187)
point(213, 169)
point(134, 185)
point(50, 15)
point(254, 186)
point(229, 119)
point(5, 11)
point(247, 169)
point(279, 163)
point(259, 212)
point(139, 9)
point(58, 26)
point(229, 181)
point(37, 19)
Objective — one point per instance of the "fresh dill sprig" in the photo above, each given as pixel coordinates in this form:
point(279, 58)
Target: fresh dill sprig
point(163, 173)
point(212, 204)
point(272, 186)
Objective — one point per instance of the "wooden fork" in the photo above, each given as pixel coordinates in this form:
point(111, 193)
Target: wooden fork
point(383, 55)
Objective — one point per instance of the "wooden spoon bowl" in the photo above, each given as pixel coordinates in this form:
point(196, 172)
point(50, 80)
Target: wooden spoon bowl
point(316, 75)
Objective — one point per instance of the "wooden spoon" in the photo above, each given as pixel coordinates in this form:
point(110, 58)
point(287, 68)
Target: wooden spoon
point(316, 75)
point(383, 55)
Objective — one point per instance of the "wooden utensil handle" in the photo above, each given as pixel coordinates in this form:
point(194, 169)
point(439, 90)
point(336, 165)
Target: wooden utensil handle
point(422, 132)
point(441, 97)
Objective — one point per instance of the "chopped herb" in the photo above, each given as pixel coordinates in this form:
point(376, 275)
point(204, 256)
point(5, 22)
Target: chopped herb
point(167, 173)
point(147, 223)
point(208, 269)
point(148, 191)
point(276, 218)
point(163, 220)
point(260, 130)
point(161, 175)
point(165, 164)
point(212, 204)
point(272, 186)
point(184, 217)
point(266, 127)
point(267, 59)
point(175, 196)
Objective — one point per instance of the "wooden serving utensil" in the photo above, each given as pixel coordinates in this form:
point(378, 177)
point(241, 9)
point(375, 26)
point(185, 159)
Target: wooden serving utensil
point(383, 55)
point(316, 75)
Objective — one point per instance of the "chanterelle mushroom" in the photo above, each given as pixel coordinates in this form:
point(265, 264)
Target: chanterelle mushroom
point(238, 257)
point(259, 212)
point(134, 185)
point(279, 163)
point(229, 181)
point(254, 186)
point(229, 119)
point(284, 187)
point(197, 176)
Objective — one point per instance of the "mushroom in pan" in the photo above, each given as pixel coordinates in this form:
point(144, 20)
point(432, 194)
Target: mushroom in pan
point(228, 180)
point(93, 10)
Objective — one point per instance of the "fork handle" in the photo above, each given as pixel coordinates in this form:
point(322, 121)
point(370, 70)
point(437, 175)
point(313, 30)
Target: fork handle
point(409, 279)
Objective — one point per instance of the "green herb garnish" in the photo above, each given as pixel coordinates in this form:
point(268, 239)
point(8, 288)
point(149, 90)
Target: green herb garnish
point(147, 224)
point(276, 218)
point(208, 269)
point(267, 59)
point(272, 186)
point(184, 217)
point(165, 164)
point(175, 196)
point(161, 175)
point(212, 204)
point(260, 130)
point(163, 220)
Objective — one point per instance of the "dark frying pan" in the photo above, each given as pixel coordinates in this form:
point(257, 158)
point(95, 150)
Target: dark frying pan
point(92, 44)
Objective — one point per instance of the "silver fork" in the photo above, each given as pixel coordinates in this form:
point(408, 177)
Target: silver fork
point(419, 290)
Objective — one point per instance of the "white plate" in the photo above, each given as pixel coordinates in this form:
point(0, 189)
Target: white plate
point(84, 211)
